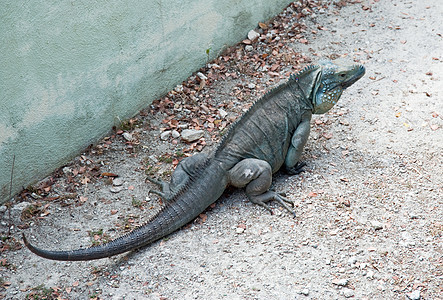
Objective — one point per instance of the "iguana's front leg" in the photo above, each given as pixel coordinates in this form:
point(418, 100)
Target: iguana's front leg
point(298, 141)
point(184, 171)
point(256, 176)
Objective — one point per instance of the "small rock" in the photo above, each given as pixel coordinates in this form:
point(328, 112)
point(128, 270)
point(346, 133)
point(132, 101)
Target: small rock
point(239, 230)
point(253, 35)
point(304, 292)
point(179, 88)
point(3, 208)
point(67, 170)
point(376, 225)
point(116, 189)
point(190, 135)
point(340, 282)
point(165, 135)
point(415, 295)
point(251, 85)
point(202, 76)
point(370, 274)
point(175, 134)
point(127, 136)
point(117, 181)
point(348, 293)
point(249, 48)
point(222, 113)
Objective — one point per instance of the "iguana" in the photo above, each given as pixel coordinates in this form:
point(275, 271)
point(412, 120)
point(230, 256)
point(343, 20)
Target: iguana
point(269, 136)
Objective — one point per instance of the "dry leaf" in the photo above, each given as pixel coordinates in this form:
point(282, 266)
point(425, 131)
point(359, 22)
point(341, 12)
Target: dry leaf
point(262, 25)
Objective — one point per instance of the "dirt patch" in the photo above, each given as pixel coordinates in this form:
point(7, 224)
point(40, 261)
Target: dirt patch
point(369, 207)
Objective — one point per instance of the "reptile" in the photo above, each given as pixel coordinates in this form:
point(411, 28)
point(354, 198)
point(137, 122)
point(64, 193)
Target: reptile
point(270, 136)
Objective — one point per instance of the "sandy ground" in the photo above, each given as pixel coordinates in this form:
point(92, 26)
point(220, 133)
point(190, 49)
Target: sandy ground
point(369, 206)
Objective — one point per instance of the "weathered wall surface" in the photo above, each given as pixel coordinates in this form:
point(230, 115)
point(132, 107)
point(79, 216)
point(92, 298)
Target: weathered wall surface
point(69, 70)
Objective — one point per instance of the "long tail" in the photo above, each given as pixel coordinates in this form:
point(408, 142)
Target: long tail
point(184, 207)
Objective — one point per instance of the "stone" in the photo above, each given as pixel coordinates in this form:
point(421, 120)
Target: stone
point(239, 230)
point(348, 293)
point(251, 85)
point(253, 35)
point(415, 295)
point(127, 136)
point(165, 135)
point(175, 134)
point(304, 292)
point(376, 225)
point(116, 189)
point(222, 113)
point(117, 181)
point(202, 76)
point(249, 48)
point(190, 135)
point(340, 282)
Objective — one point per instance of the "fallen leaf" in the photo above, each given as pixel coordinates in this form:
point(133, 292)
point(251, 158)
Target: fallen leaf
point(203, 218)
point(68, 289)
point(107, 174)
point(247, 42)
point(113, 211)
point(434, 127)
point(75, 284)
point(262, 25)
point(398, 114)
point(312, 194)
point(131, 187)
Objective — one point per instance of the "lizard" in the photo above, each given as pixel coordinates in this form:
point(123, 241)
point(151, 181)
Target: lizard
point(268, 137)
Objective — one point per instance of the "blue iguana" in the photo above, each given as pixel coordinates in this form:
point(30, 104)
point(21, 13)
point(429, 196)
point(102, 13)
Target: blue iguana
point(269, 136)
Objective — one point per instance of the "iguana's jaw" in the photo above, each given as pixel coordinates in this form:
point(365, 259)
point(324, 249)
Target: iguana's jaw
point(333, 80)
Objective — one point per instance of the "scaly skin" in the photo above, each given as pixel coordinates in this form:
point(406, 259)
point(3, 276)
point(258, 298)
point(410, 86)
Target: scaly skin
point(269, 136)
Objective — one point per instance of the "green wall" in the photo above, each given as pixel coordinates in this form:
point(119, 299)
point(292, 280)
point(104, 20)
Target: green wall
point(69, 70)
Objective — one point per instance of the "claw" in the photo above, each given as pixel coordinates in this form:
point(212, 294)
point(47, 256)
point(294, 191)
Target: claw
point(155, 181)
point(297, 169)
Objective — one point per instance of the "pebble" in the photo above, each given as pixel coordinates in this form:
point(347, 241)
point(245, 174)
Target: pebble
point(415, 295)
point(249, 48)
point(116, 189)
point(376, 225)
point(3, 208)
point(348, 293)
point(239, 230)
point(253, 35)
point(165, 135)
point(117, 181)
point(127, 136)
point(340, 282)
point(202, 76)
point(175, 134)
point(304, 292)
point(222, 113)
point(190, 135)
point(251, 85)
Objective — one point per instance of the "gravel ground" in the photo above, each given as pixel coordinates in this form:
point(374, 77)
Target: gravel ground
point(369, 206)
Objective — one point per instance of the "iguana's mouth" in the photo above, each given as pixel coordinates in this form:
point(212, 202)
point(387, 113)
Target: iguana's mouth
point(358, 74)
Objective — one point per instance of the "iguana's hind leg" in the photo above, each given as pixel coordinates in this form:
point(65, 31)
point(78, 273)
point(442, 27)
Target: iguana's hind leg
point(185, 170)
point(256, 176)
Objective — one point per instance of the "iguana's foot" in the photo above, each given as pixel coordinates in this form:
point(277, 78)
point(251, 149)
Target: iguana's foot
point(297, 169)
point(269, 196)
point(165, 194)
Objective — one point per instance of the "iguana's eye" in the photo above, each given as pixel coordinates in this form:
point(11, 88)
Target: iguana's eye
point(342, 75)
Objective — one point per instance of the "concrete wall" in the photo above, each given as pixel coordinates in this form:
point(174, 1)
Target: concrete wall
point(69, 70)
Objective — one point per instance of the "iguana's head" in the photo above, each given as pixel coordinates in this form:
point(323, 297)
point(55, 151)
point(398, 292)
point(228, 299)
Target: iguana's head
point(330, 82)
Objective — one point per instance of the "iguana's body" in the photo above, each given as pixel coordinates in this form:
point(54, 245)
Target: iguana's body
point(270, 135)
